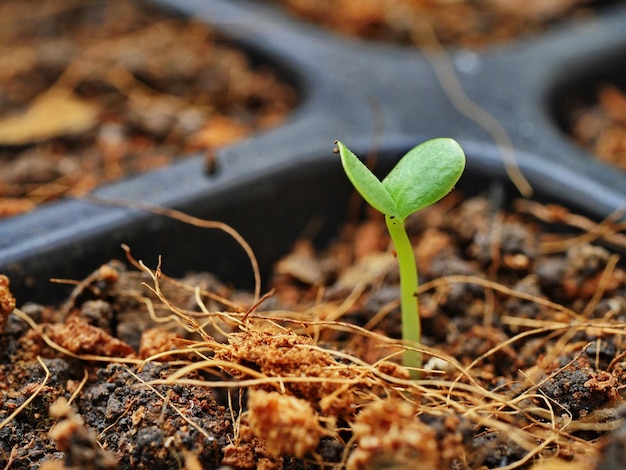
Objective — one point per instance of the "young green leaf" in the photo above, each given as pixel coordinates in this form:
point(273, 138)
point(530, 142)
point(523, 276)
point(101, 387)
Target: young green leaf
point(424, 175)
point(366, 183)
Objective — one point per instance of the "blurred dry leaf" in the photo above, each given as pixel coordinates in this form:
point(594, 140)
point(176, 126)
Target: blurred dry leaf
point(55, 113)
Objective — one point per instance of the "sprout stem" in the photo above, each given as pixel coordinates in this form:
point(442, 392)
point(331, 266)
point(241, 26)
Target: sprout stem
point(411, 328)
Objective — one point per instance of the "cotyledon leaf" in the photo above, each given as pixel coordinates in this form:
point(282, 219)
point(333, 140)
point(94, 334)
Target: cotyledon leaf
point(366, 183)
point(424, 175)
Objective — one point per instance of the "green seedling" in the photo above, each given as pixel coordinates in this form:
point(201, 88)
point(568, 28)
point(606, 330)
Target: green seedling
point(422, 177)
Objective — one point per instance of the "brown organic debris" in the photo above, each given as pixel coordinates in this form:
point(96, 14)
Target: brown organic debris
point(288, 425)
point(599, 125)
point(79, 337)
point(282, 354)
point(387, 433)
point(80, 444)
point(250, 452)
point(7, 301)
point(156, 341)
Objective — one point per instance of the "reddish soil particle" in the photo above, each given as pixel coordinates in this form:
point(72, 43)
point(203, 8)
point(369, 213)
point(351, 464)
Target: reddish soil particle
point(250, 452)
point(7, 301)
point(158, 340)
point(288, 425)
point(79, 443)
point(79, 337)
point(599, 124)
point(282, 353)
point(388, 435)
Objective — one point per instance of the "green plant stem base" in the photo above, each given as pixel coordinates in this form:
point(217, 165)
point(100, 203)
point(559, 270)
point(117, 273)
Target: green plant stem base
point(411, 328)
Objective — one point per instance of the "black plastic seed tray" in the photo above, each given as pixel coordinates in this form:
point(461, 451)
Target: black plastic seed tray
point(278, 185)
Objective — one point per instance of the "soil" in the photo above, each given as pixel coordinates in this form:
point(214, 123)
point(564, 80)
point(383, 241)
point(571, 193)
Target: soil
point(94, 91)
point(522, 341)
point(599, 124)
point(464, 23)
